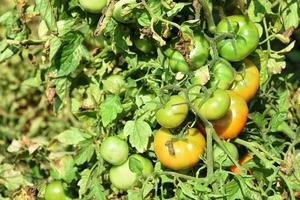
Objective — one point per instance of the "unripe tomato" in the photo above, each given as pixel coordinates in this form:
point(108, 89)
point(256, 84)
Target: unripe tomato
point(173, 113)
point(223, 74)
point(215, 107)
point(93, 6)
point(55, 191)
point(220, 156)
point(245, 41)
point(123, 11)
point(247, 81)
point(123, 178)
point(145, 44)
point(235, 119)
point(196, 58)
point(179, 153)
point(114, 150)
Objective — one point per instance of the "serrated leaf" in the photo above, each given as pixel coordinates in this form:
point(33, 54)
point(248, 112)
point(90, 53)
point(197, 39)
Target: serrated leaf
point(96, 190)
point(258, 9)
point(55, 45)
point(47, 13)
point(83, 183)
point(176, 9)
point(71, 136)
point(110, 109)
point(289, 12)
point(64, 169)
point(139, 133)
point(187, 189)
point(86, 151)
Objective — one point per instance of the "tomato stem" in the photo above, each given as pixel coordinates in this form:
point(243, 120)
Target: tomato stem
point(208, 15)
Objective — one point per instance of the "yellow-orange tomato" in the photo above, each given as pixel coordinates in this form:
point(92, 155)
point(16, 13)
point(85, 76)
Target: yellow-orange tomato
point(247, 81)
point(179, 153)
point(235, 119)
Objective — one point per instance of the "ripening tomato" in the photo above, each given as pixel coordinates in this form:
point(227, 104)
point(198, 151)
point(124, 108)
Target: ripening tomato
point(247, 81)
point(55, 191)
point(235, 119)
point(242, 161)
point(173, 113)
point(179, 153)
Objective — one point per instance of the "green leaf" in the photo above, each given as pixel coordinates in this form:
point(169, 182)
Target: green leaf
point(135, 165)
point(110, 109)
point(61, 87)
point(176, 9)
point(11, 178)
point(83, 183)
point(68, 57)
point(258, 119)
point(72, 136)
point(134, 195)
point(47, 13)
point(289, 12)
point(64, 169)
point(85, 152)
point(187, 189)
point(139, 132)
point(258, 9)
point(55, 45)
point(96, 190)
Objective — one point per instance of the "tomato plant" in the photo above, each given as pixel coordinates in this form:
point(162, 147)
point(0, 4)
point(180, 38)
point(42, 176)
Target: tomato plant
point(105, 96)
point(215, 107)
point(122, 177)
point(179, 153)
point(247, 81)
point(235, 119)
point(114, 150)
point(244, 40)
point(173, 112)
point(55, 191)
point(220, 156)
point(93, 6)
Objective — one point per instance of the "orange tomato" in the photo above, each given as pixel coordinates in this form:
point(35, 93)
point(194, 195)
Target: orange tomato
point(242, 161)
point(235, 119)
point(247, 81)
point(179, 153)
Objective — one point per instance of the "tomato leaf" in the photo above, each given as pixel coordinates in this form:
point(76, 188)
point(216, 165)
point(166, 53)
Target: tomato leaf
point(85, 152)
point(64, 168)
point(110, 109)
point(72, 136)
point(139, 132)
point(289, 12)
point(258, 9)
point(46, 11)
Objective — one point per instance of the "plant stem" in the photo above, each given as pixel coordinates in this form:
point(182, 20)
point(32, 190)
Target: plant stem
point(208, 15)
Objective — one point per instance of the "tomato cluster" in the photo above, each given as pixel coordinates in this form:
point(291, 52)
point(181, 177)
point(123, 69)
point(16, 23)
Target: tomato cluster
point(115, 150)
point(234, 82)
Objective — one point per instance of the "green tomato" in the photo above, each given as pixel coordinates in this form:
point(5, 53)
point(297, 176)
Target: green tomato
point(177, 62)
point(114, 150)
point(55, 191)
point(124, 178)
point(123, 11)
point(223, 75)
point(114, 84)
point(245, 41)
point(215, 107)
point(220, 156)
point(144, 44)
point(197, 56)
point(173, 113)
point(93, 6)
